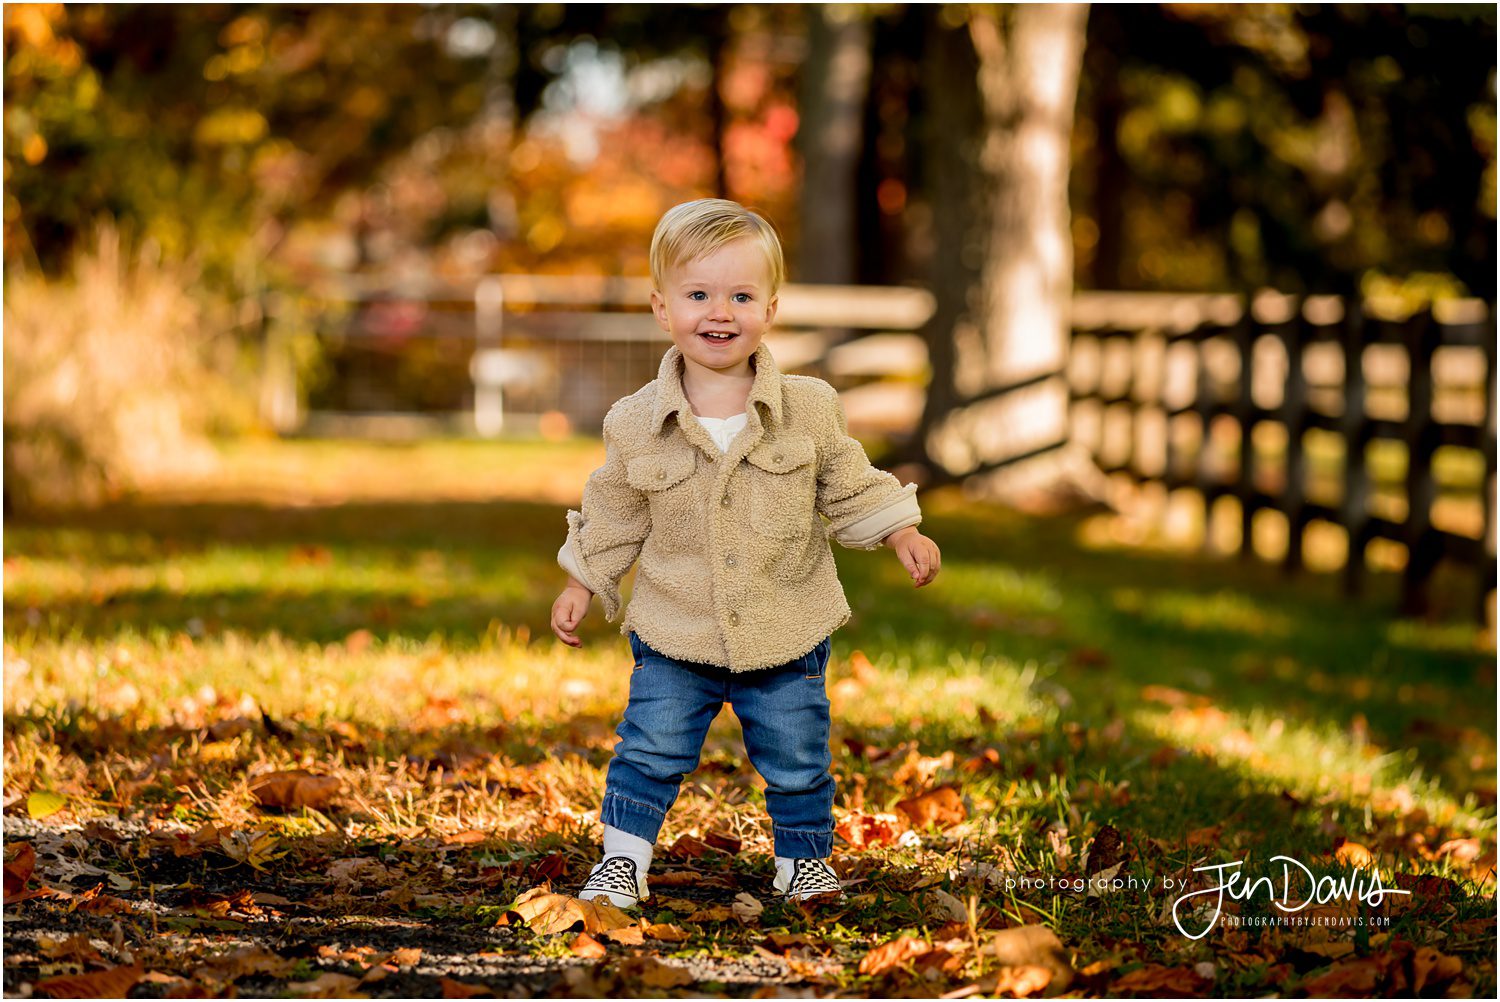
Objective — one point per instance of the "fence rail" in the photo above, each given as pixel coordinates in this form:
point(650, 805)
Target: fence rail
point(1204, 381)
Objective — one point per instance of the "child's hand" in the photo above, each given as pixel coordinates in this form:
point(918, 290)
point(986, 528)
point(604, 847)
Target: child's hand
point(568, 611)
point(918, 554)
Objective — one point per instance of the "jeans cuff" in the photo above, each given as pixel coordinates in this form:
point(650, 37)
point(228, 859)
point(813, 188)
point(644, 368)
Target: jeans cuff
point(796, 843)
point(630, 816)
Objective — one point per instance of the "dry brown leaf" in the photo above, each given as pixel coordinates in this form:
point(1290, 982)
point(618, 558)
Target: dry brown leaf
point(1352, 978)
point(666, 932)
point(1157, 980)
point(114, 983)
point(686, 878)
point(653, 973)
point(688, 847)
point(238, 963)
point(746, 908)
point(711, 913)
point(1033, 946)
point(722, 842)
point(328, 985)
point(547, 913)
point(1023, 981)
point(294, 788)
point(892, 954)
point(18, 871)
point(463, 990)
point(1428, 966)
point(942, 807)
point(1463, 850)
point(584, 945)
point(629, 936)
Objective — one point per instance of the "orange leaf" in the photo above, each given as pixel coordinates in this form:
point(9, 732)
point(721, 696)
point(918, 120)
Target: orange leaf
point(1033, 946)
point(1155, 980)
point(295, 788)
point(1353, 978)
point(18, 870)
point(892, 954)
point(1353, 854)
point(942, 807)
point(114, 983)
point(547, 913)
point(585, 945)
point(462, 990)
point(867, 831)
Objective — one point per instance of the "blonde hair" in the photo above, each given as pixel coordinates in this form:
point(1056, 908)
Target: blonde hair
point(691, 230)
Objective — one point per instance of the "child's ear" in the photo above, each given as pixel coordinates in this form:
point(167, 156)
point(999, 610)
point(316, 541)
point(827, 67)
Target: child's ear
point(771, 310)
point(659, 310)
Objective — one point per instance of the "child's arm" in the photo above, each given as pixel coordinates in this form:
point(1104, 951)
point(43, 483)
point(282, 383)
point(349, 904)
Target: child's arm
point(866, 507)
point(604, 539)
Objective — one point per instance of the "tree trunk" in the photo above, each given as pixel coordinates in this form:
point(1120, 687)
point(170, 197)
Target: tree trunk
point(1004, 431)
point(835, 84)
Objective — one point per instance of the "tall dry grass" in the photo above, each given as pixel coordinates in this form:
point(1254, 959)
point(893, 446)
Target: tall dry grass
point(108, 382)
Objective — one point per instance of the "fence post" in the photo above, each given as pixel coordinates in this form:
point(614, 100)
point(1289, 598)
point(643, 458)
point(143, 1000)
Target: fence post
point(1423, 548)
point(1486, 546)
point(1354, 427)
point(1244, 415)
point(1294, 418)
point(489, 400)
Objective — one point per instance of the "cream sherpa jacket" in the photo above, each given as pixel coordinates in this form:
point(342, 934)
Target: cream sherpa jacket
point(735, 566)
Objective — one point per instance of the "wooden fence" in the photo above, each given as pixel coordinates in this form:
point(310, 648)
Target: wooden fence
point(1326, 414)
point(1181, 396)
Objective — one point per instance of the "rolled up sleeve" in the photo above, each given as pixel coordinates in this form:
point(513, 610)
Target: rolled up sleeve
point(606, 535)
point(863, 505)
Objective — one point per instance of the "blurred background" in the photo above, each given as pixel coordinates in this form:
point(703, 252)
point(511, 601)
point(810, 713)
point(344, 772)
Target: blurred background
point(1228, 270)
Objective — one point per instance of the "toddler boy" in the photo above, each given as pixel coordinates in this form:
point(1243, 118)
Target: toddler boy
point(717, 477)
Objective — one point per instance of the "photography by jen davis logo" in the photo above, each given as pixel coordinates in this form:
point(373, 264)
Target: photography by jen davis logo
point(1363, 886)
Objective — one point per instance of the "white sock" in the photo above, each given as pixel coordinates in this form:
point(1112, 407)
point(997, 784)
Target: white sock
point(622, 843)
point(784, 871)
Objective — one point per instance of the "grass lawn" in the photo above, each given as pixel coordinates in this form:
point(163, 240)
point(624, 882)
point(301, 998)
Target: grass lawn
point(1051, 706)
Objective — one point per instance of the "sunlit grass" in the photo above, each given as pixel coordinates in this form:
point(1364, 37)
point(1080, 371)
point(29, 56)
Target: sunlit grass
point(400, 642)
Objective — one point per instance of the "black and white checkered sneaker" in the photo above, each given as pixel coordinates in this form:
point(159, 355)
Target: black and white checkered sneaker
point(809, 877)
point(617, 880)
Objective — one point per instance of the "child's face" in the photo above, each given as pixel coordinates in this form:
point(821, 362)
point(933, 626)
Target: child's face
point(725, 292)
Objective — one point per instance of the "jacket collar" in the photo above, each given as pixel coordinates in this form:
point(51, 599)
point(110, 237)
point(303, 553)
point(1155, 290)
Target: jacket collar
point(670, 399)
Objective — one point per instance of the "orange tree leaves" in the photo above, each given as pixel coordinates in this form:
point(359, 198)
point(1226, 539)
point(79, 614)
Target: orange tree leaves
point(295, 788)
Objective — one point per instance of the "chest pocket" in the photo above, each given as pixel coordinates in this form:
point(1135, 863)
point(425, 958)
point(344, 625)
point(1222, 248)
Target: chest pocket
point(666, 479)
point(783, 486)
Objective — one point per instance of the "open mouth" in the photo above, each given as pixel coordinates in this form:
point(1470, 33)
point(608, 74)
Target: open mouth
point(717, 337)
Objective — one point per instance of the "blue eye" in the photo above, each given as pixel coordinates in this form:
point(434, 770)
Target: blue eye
point(694, 295)
point(743, 297)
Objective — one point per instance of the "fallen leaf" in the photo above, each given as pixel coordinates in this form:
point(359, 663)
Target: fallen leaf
point(463, 990)
point(747, 908)
point(654, 973)
point(114, 983)
point(45, 803)
point(547, 913)
point(942, 807)
point(294, 788)
point(585, 945)
point(1158, 980)
point(1352, 854)
point(892, 954)
point(950, 905)
point(632, 935)
point(1352, 978)
point(1430, 966)
point(328, 985)
point(869, 831)
point(722, 842)
point(666, 932)
point(18, 871)
point(1033, 946)
point(688, 847)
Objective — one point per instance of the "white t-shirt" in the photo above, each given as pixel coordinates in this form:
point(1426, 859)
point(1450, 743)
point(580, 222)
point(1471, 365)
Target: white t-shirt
point(723, 430)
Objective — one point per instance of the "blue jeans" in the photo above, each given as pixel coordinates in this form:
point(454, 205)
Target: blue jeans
point(784, 714)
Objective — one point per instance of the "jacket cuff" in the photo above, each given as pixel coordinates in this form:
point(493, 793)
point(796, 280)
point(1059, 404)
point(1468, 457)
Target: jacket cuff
point(570, 558)
point(867, 532)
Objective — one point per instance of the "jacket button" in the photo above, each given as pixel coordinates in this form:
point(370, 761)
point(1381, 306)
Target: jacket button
point(729, 561)
point(661, 474)
point(734, 619)
point(776, 458)
point(724, 500)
